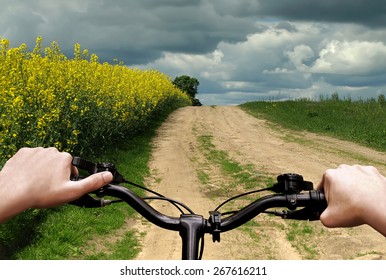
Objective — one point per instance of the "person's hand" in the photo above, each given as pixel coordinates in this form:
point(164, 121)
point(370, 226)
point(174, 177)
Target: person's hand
point(355, 195)
point(40, 178)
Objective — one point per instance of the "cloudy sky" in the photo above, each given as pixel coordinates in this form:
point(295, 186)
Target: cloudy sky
point(239, 50)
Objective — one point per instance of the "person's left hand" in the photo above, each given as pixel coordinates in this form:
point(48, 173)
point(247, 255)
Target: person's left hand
point(40, 178)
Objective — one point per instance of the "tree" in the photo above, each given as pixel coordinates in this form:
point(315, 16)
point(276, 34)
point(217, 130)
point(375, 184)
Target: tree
point(382, 99)
point(188, 85)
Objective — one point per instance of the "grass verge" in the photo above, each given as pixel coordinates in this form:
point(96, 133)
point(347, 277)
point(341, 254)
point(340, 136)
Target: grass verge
point(363, 122)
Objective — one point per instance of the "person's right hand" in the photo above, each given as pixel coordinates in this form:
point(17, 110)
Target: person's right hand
point(355, 195)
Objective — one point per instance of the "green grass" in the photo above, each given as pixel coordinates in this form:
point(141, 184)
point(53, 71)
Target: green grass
point(241, 174)
point(64, 232)
point(301, 235)
point(361, 121)
point(250, 229)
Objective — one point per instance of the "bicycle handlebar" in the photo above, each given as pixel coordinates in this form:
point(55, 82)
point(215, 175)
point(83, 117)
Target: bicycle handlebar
point(291, 192)
point(313, 201)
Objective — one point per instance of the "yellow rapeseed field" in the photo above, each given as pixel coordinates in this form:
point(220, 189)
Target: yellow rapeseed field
point(47, 99)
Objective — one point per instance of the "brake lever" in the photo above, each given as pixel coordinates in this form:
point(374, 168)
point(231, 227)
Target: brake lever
point(93, 168)
point(305, 214)
point(90, 202)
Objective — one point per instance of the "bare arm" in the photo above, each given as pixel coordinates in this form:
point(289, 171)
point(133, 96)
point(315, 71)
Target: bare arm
point(40, 178)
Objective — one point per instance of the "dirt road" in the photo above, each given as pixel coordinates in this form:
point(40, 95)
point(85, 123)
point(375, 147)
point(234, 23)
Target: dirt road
point(178, 162)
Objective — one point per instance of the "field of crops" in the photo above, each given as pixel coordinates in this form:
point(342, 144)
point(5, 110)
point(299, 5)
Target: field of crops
point(74, 104)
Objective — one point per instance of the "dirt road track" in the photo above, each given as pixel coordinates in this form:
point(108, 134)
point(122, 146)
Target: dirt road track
point(272, 150)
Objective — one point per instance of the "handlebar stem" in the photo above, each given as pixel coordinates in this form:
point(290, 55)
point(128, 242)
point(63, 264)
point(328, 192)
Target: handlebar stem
point(191, 231)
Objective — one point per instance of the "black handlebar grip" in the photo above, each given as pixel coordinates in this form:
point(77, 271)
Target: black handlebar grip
point(320, 199)
point(316, 204)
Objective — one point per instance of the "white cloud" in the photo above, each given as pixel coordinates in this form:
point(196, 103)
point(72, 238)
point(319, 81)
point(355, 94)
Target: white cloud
point(301, 53)
point(351, 58)
point(234, 85)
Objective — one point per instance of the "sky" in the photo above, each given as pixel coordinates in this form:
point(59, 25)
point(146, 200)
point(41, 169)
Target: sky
point(239, 50)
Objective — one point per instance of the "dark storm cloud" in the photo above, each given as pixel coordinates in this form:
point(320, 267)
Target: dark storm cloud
point(138, 30)
point(371, 13)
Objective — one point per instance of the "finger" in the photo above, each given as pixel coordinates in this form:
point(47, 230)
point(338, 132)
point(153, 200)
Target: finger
point(75, 189)
point(72, 190)
point(94, 182)
point(74, 171)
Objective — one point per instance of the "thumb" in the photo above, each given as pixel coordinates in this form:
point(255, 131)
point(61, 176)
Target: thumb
point(95, 181)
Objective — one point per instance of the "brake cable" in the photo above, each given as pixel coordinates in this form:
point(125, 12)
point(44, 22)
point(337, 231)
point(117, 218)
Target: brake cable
point(172, 201)
point(159, 196)
point(93, 168)
point(238, 196)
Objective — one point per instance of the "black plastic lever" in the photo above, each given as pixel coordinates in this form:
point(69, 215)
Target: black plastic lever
point(93, 168)
point(90, 202)
point(306, 213)
point(291, 183)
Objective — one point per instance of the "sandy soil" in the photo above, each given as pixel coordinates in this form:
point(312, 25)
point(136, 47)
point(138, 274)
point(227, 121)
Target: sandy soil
point(177, 160)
